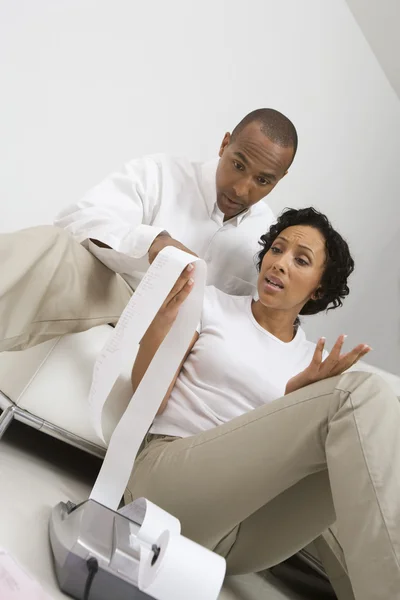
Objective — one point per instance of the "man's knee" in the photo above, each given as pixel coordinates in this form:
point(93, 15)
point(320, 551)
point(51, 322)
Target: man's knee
point(36, 239)
point(51, 233)
point(23, 248)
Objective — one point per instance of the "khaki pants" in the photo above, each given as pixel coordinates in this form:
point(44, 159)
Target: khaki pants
point(51, 285)
point(260, 487)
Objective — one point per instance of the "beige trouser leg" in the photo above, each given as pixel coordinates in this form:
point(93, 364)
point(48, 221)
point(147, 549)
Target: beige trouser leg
point(262, 486)
point(332, 557)
point(50, 285)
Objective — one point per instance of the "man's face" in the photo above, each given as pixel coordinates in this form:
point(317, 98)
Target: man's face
point(250, 166)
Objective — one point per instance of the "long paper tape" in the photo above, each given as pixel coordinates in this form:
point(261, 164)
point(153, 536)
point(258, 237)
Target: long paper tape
point(183, 570)
point(135, 320)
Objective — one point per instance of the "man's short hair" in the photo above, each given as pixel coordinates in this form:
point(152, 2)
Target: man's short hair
point(278, 128)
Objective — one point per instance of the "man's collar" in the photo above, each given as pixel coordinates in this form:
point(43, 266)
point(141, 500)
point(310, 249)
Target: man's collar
point(243, 215)
point(208, 185)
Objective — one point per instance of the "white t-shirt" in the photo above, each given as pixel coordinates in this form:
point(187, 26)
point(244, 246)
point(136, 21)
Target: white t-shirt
point(159, 192)
point(234, 367)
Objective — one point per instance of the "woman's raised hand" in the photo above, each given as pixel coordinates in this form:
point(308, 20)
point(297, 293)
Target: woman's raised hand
point(334, 364)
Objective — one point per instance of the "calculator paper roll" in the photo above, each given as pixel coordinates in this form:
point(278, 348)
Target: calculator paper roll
point(183, 570)
point(152, 519)
point(135, 320)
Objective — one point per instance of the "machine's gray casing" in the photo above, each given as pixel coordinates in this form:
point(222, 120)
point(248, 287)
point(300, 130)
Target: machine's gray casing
point(90, 530)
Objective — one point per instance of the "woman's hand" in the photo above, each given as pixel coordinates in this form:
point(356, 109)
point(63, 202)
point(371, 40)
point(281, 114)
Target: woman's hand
point(169, 309)
point(160, 327)
point(334, 364)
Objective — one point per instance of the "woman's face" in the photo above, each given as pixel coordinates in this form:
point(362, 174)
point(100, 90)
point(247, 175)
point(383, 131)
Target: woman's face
point(292, 269)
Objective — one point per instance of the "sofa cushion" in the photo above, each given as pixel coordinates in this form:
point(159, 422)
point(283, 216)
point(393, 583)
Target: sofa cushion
point(52, 381)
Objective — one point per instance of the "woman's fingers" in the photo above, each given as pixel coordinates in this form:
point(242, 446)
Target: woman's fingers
point(317, 356)
point(183, 293)
point(180, 283)
point(351, 358)
point(332, 360)
point(182, 288)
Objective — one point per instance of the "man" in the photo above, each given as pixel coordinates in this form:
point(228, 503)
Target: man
point(210, 209)
point(52, 285)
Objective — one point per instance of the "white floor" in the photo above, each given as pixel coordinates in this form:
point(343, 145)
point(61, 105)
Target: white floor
point(36, 472)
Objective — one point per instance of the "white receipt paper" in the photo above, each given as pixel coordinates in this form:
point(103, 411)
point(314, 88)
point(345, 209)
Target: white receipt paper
point(15, 583)
point(136, 318)
point(183, 569)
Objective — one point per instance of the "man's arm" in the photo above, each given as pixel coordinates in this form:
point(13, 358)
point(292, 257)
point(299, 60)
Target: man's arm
point(117, 214)
point(118, 211)
point(161, 241)
point(99, 243)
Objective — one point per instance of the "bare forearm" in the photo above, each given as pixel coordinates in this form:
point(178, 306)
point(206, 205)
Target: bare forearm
point(159, 329)
point(99, 243)
point(149, 345)
point(147, 350)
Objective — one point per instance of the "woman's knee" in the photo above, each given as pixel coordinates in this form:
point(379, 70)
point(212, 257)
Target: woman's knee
point(351, 380)
point(368, 386)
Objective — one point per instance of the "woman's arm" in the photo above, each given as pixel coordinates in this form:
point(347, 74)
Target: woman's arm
point(158, 330)
point(148, 347)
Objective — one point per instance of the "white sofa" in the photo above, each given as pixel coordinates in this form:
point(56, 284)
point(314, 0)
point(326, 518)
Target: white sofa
point(47, 387)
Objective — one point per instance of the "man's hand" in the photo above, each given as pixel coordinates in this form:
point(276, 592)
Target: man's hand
point(334, 364)
point(163, 240)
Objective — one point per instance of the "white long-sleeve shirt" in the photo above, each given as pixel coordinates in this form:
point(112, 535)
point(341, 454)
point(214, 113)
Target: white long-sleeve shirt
point(161, 193)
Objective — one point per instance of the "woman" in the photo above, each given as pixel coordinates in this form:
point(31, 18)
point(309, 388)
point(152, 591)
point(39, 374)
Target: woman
point(254, 460)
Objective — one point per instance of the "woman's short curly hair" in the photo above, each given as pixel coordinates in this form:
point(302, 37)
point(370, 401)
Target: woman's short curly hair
point(339, 262)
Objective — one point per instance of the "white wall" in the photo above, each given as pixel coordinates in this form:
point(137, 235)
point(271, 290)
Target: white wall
point(87, 84)
point(379, 21)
